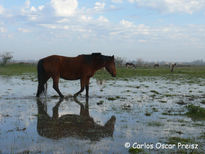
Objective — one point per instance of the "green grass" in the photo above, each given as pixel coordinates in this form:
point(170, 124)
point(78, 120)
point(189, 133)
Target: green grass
point(148, 114)
point(196, 112)
point(175, 140)
point(122, 72)
point(155, 124)
point(135, 150)
point(202, 102)
point(154, 91)
point(17, 69)
point(180, 72)
point(111, 98)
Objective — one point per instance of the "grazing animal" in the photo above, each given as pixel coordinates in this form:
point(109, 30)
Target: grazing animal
point(172, 67)
point(130, 65)
point(74, 125)
point(82, 67)
point(156, 65)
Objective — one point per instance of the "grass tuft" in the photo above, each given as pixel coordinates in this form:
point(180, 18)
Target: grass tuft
point(196, 112)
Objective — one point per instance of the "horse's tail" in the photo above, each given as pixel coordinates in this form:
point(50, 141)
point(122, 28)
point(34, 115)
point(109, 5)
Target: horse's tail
point(42, 85)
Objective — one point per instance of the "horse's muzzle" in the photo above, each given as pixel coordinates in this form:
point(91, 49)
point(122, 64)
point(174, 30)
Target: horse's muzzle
point(113, 75)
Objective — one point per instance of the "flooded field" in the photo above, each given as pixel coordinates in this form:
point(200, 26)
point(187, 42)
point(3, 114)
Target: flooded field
point(146, 110)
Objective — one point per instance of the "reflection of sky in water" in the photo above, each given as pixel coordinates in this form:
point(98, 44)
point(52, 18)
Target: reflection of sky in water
point(18, 110)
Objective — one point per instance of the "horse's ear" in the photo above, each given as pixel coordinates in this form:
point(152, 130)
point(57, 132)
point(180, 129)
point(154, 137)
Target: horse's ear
point(113, 57)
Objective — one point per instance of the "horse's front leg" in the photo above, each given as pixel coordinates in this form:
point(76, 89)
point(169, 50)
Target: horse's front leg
point(82, 85)
point(55, 85)
point(87, 87)
point(55, 109)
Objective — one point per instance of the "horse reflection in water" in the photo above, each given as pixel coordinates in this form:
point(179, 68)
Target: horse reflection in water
point(82, 125)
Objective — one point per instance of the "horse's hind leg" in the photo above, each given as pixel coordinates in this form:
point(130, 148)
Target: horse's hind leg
point(40, 89)
point(82, 85)
point(55, 85)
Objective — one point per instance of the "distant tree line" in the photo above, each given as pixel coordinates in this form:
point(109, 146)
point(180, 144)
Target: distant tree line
point(140, 62)
point(6, 57)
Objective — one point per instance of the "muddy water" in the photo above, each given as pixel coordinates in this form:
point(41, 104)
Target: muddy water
point(142, 110)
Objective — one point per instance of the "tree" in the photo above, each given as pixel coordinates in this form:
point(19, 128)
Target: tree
point(139, 62)
point(5, 57)
point(119, 61)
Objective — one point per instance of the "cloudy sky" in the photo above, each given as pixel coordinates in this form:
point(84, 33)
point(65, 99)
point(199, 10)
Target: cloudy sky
point(153, 30)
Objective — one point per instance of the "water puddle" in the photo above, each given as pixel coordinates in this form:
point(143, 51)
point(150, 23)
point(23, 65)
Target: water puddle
point(142, 110)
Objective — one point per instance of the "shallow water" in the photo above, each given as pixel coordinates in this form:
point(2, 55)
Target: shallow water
point(139, 105)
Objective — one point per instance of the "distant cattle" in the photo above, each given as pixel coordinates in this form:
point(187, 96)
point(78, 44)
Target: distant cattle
point(172, 66)
point(156, 65)
point(130, 65)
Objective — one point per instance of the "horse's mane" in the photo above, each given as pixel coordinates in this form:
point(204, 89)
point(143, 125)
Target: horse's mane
point(96, 54)
point(89, 58)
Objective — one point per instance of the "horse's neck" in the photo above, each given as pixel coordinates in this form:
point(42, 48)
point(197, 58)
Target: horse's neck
point(99, 66)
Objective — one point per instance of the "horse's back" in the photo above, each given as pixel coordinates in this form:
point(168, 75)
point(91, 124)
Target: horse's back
point(52, 63)
point(65, 67)
point(55, 58)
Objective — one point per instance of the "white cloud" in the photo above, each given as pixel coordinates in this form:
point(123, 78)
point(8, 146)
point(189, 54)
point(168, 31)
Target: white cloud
point(142, 29)
point(117, 1)
point(113, 7)
point(33, 9)
point(130, 31)
point(84, 21)
point(99, 6)
point(62, 20)
point(172, 6)
point(2, 30)
point(32, 13)
point(86, 18)
point(50, 26)
point(126, 23)
point(64, 7)
point(28, 10)
point(41, 7)
point(27, 4)
point(142, 41)
point(192, 35)
point(1, 9)
point(65, 27)
point(131, 1)
point(32, 17)
point(103, 19)
point(24, 30)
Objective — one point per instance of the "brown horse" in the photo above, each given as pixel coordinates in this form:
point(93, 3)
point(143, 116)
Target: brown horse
point(82, 67)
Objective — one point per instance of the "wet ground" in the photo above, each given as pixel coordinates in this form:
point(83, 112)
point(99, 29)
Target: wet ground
point(146, 110)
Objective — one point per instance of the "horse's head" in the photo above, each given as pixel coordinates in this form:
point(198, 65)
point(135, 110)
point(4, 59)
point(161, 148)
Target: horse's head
point(110, 66)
